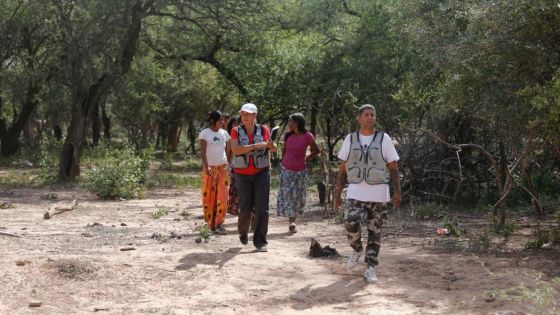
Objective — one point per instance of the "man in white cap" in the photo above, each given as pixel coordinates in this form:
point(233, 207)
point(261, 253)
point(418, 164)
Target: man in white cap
point(251, 146)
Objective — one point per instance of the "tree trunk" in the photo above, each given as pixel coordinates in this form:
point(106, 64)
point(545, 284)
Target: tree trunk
point(192, 137)
point(72, 148)
point(530, 187)
point(31, 130)
point(328, 135)
point(85, 98)
point(57, 132)
point(95, 125)
point(502, 160)
point(313, 122)
point(10, 144)
point(161, 132)
point(173, 137)
point(106, 123)
point(10, 137)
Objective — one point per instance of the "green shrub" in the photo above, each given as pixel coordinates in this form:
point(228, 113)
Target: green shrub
point(174, 181)
point(504, 230)
point(193, 163)
point(97, 154)
point(541, 239)
point(449, 244)
point(481, 244)
point(547, 184)
point(160, 212)
point(167, 161)
point(429, 211)
point(49, 159)
point(205, 232)
point(555, 230)
point(542, 298)
point(452, 226)
point(121, 174)
point(554, 235)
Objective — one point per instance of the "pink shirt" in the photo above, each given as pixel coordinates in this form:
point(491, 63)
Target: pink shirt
point(295, 148)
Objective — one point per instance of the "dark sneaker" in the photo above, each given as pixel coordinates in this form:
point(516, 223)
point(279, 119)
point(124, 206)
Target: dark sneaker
point(293, 228)
point(220, 230)
point(244, 239)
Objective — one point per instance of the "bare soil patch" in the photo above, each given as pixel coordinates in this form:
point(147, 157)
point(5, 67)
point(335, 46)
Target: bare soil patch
point(73, 263)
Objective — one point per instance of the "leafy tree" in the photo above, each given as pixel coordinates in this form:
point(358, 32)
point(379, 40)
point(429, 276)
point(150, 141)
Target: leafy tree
point(26, 63)
point(99, 40)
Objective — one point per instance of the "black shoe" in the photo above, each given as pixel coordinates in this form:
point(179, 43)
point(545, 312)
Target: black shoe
point(293, 228)
point(220, 230)
point(244, 239)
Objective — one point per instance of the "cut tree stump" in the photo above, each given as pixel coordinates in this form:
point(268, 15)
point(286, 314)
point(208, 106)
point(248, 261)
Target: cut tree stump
point(58, 210)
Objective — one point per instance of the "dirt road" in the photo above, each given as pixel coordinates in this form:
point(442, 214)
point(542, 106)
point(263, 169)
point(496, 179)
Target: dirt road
point(73, 264)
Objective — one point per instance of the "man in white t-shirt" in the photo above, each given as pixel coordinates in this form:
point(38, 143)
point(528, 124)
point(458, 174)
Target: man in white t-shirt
point(367, 160)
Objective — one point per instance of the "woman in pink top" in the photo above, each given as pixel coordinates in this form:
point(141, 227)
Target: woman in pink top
point(293, 177)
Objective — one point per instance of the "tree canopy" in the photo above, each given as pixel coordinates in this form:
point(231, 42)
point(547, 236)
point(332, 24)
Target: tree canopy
point(469, 90)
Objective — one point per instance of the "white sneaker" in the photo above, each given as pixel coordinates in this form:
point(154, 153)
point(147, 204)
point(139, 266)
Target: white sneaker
point(354, 259)
point(370, 275)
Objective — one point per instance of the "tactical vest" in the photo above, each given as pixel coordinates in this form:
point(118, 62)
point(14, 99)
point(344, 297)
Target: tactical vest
point(366, 162)
point(261, 157)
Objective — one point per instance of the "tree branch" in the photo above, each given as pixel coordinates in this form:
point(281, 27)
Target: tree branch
point(348, 10)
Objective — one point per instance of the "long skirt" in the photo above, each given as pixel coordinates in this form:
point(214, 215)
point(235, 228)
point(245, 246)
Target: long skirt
point(292, 193)
point(233, 201)
point(215, 191)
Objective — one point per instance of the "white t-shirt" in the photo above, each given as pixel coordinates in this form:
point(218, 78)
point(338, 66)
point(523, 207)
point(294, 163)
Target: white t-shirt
point(364, 191)
point(215, 145)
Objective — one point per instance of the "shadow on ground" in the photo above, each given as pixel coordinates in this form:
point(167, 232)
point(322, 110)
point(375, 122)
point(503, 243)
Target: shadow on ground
point(344, 290)
point(218, 259)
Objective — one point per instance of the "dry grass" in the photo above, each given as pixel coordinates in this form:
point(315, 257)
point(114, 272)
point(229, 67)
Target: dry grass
point(75, 268)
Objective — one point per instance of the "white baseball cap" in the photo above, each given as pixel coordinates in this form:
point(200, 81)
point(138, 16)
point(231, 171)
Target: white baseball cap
point(249, 108)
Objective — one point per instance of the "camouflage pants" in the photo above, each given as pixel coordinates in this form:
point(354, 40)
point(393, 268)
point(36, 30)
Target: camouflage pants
point(372, 214)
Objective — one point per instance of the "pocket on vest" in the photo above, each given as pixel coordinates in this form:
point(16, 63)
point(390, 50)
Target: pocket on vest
point(375, 176)
point(354, 174)
point(239, 162)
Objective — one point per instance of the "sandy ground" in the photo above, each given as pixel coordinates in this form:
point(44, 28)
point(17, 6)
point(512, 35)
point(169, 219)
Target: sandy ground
point(74, 267)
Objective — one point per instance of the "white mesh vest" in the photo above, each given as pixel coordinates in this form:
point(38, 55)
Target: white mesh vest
point(261, 158)
point(365, 160)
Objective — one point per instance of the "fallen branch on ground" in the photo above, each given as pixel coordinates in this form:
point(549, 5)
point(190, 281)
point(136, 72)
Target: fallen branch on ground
point(9, 234)
point(58, 210)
